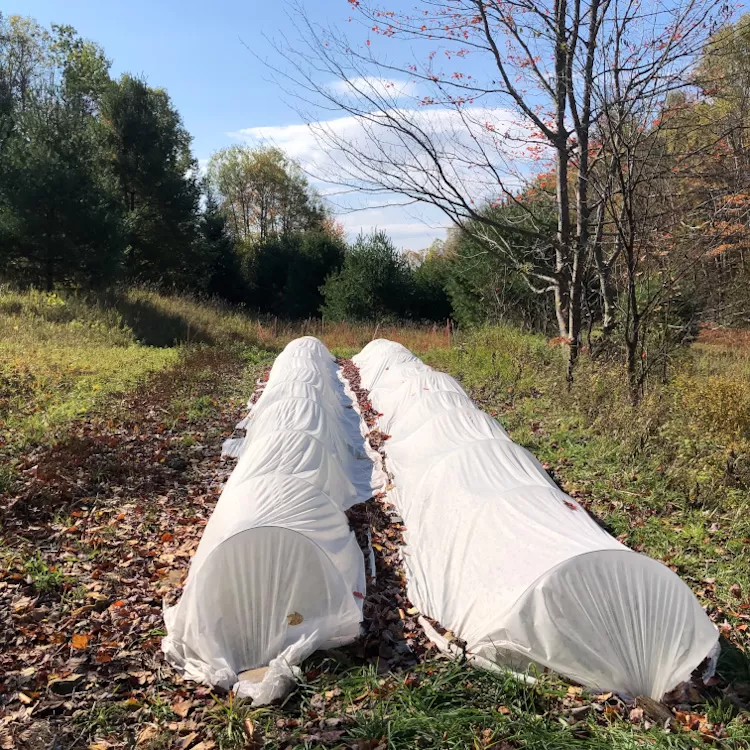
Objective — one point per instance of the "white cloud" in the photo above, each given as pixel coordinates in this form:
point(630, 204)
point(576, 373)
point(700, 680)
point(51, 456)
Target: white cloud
point(475, 145)
point(410, 228)
point(388, 88)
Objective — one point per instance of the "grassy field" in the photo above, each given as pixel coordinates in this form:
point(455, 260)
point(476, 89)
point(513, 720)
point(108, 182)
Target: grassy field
point(111, 416)
point(61, 356)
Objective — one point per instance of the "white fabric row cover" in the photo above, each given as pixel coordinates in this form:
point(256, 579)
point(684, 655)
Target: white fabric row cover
point(278, 573)
point(498, 554)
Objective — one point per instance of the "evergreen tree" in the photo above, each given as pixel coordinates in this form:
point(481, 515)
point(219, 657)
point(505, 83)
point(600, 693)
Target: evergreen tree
point(150, 153)
point(222, 274)
point(374, 283)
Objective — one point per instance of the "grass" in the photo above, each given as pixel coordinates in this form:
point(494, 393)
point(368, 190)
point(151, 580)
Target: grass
point(60, 358)
point(445, 704)
point(669, 477)
point(43, 578)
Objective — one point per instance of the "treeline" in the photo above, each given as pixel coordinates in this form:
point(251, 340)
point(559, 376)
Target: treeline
point(97, 182)
point(99, 187)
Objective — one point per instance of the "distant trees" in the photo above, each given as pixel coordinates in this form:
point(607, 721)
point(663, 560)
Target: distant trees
point(98, 185)
point(59, 220)
point(263, 193)
point(377, 282)
point(97, 182)
point(373, 283)
point(284, 239)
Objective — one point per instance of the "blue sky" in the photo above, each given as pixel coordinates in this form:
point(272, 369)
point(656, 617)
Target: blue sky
point(198, 51)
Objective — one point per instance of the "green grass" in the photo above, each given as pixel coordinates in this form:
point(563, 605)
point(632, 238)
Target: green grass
point(60, 358)
point(63, 355)
point(43, 578)
point(445, 704)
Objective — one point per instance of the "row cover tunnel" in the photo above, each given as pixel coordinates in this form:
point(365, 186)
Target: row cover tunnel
point(510, 563)
point(278, 572)
point(496, 552)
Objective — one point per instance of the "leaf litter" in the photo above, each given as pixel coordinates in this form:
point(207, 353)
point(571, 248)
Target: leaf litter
point(113, 511)
point(112, 514)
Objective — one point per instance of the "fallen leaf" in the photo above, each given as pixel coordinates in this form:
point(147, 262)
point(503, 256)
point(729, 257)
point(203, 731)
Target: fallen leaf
point(148, 733)
point(186, 741)
point(167, 537)
point(65, 685)
point(102, 657)
point(182, 707)
point(80, 640)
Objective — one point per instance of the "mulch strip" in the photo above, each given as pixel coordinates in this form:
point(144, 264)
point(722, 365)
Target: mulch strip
point(392, 637)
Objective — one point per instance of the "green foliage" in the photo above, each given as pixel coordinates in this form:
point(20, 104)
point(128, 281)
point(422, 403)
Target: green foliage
point(485, 285)
point(59, 221)
point(430, 280)
point(151, 157)
point(222, 269)
point(373, 284)
point(42, 577)
point(263, 194)
point(287, 273)
point(229, 722)
point(58, 215)
point(97, 180)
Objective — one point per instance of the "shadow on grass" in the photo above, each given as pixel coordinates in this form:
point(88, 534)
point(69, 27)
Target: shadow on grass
point(734, 664)
point(155, 326)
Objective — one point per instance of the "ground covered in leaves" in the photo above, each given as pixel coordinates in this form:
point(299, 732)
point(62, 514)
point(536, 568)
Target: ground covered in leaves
point(97, 531)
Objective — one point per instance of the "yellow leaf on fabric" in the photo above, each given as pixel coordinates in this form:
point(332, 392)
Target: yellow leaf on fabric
point(295, 618)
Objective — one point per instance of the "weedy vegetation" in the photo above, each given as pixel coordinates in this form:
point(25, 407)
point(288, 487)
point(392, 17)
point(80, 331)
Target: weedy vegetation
point(111, 425)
